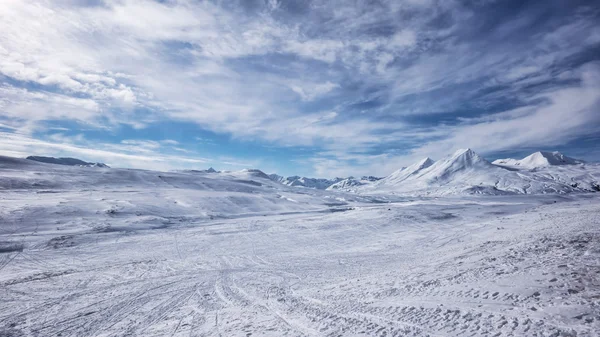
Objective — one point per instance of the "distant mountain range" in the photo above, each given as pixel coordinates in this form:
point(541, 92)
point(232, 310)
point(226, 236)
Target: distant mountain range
point(466, 172)
point(66, 161)
point(463, 172)
point(317, 183)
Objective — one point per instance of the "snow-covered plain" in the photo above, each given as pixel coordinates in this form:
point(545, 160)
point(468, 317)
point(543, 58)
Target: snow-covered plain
point(91, 251)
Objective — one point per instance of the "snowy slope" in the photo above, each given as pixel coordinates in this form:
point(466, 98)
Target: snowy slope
point(174, 195)
point(406, 172)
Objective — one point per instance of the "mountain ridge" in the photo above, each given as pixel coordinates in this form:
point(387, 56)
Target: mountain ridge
point(68, 161)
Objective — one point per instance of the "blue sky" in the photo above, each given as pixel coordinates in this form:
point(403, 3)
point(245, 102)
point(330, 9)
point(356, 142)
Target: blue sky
point(317, 88)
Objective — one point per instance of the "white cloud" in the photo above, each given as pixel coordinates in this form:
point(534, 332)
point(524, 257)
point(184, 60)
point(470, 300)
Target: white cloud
point(563, 115)
point(142, 154)
point(310, 91)
point(323, 50)
point(201, 63)
point(404, 39)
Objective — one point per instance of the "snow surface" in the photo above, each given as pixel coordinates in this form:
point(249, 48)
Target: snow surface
point(118, 252)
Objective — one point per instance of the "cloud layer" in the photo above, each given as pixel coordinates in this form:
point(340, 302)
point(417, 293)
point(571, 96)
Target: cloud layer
point(368, 86)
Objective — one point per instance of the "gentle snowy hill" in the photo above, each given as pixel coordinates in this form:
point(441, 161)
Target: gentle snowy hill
point(65, 161)
point(154, 196)
point(539, 159)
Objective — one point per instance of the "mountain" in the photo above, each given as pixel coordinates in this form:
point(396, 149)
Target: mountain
point(66, 161)
point(539, 159)
point(255, 173)
point(276, 177)
point(370, 178)
point(316, 183)
point(209, 170)
point(406, 172)
point(347, 184)
point(463, 163)
point(466, 172)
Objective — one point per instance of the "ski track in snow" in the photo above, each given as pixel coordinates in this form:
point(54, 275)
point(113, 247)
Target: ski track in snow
point(115, 262)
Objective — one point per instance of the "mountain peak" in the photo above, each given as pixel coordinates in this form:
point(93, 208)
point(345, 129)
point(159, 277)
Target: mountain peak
point(425, 162)
point(465, 152)
point(406, 172)
point(461, 161)
point(467, 155)
point(544, 158)
point(256, 173)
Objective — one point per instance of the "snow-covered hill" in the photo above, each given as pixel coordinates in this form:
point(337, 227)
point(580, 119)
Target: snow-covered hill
point(539, 159)
point(196, 194)
point(66, 161)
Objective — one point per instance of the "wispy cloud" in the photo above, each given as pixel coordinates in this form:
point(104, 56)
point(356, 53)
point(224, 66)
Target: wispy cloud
point(370, 86)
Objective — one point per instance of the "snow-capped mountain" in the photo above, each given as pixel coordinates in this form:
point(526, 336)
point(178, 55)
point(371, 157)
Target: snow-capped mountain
point(209, 170)
point(539, 159)
point(406, 172)
point(255, 173)
point(467, 172)
point(463, 172)
point(370, 178)
point(464, 164)
point(66, 161)
point(276, 177)
point(316, 183)
point(346, 184)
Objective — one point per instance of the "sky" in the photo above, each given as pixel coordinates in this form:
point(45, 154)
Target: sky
point(315, 88)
